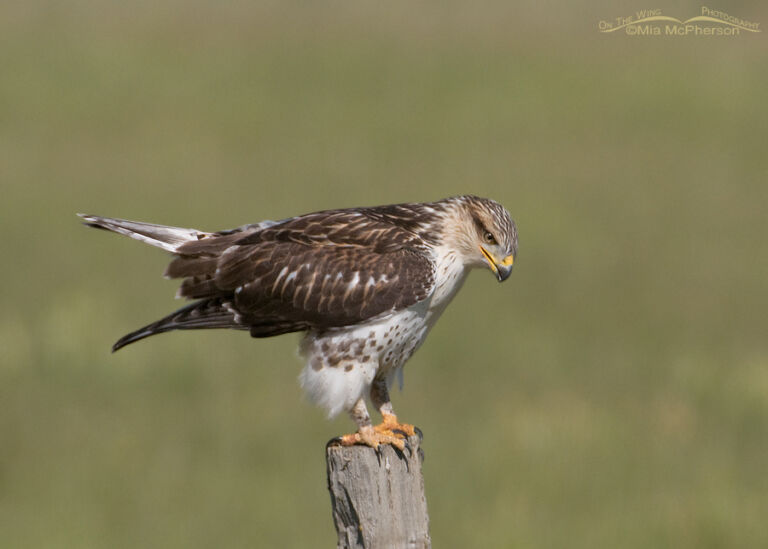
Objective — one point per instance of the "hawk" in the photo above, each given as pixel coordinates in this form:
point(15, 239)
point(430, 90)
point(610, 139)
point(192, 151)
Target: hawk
point(364, 285)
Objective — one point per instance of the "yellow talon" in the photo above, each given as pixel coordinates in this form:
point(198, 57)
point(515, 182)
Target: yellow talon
point(391, 426)
point(372, 436)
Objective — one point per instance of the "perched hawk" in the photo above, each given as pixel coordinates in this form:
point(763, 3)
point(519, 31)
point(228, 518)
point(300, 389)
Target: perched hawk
point(365, 285)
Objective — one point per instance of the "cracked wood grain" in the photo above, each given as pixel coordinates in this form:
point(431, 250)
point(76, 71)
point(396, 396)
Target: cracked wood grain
point(378, 498)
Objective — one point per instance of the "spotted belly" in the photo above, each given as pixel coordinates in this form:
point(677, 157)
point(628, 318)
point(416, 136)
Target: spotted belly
point(342, 364)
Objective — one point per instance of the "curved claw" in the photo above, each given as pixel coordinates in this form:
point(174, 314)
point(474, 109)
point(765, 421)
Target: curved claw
point(335, 441)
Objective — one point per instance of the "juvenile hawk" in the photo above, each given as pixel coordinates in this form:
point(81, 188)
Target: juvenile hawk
point(365, 285)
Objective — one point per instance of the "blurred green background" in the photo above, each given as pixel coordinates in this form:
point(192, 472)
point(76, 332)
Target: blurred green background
point(612, 393)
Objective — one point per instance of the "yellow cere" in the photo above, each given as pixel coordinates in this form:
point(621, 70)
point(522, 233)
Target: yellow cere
point(509, 260)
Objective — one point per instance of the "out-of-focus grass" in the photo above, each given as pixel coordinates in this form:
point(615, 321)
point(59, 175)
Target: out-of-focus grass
point(613, 392)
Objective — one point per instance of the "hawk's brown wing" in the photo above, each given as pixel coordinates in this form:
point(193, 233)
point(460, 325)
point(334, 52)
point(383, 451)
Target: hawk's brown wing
point(279, 287)
point(318, 271)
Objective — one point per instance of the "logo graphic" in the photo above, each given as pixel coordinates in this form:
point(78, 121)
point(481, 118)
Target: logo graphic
point(654, 23)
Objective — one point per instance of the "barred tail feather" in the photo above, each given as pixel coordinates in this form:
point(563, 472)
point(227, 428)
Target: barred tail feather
point(160, 236)
point(203, 314)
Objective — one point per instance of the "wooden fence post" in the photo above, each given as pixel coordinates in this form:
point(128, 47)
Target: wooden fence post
point(378, 498)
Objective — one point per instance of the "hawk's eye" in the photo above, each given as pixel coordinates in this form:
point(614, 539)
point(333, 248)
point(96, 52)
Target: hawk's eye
point(488, 237)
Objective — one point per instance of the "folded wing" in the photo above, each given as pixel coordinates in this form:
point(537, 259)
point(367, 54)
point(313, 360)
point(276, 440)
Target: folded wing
point(319, 271)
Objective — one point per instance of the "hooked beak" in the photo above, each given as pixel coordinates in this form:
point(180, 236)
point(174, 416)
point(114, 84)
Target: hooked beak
point(501, 268)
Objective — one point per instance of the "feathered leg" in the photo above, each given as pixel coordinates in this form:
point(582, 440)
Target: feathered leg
point(389, 424)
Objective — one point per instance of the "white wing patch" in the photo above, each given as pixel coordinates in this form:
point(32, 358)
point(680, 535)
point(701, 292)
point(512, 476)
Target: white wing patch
point(279, 278)
point(350, 287)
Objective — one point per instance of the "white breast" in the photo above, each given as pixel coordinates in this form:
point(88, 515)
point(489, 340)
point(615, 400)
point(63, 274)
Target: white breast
point(450, 274)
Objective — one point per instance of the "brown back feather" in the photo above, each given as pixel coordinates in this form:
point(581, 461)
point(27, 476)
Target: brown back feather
point(318, 271)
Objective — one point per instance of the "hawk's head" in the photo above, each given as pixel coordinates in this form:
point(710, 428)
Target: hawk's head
point(482, 231)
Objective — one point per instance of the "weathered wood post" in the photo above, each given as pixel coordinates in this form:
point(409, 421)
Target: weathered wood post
point(378, 498)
